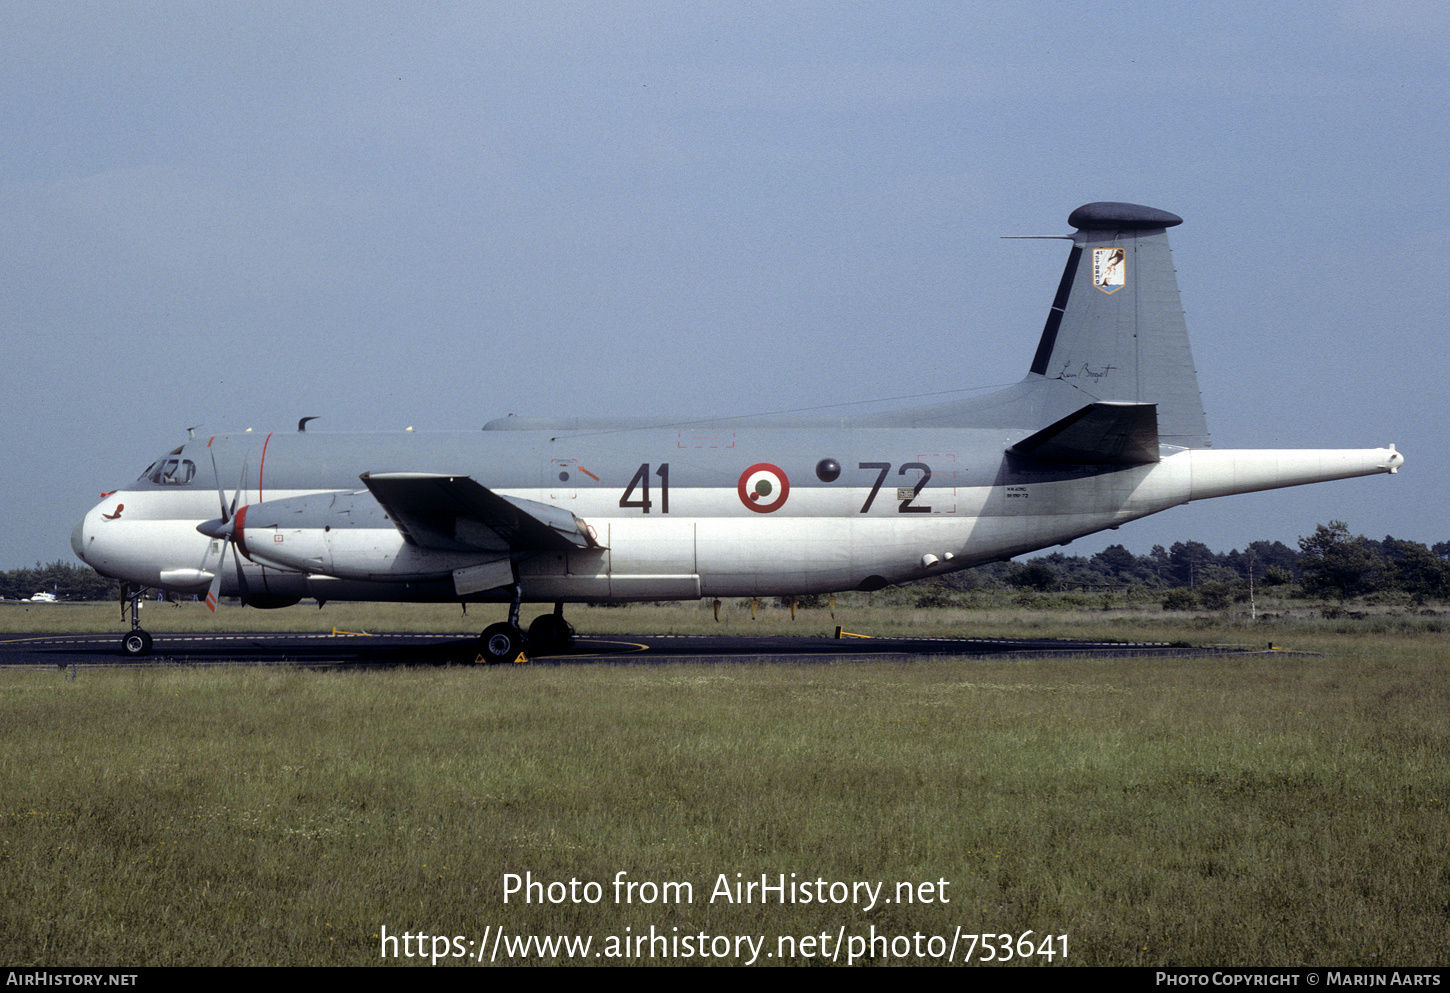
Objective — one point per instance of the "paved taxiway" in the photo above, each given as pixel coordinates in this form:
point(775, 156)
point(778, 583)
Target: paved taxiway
point(264, 648)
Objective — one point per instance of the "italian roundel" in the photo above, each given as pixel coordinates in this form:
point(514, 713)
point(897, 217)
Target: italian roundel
point(763, 488)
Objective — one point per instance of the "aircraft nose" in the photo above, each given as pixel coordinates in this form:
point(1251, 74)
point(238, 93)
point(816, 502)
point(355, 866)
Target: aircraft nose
point(77, 540)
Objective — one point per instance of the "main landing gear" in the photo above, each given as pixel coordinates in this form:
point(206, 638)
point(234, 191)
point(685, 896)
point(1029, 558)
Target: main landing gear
point(137, 642)
point(549, 634)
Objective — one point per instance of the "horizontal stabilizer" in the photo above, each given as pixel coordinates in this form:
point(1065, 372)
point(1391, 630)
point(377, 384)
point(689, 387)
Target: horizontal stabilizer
point(1103, 433)
point(454, 513)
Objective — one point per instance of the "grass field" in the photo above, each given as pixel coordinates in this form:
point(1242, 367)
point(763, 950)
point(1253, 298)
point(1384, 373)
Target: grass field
point(1265, 809)
point(876, 614)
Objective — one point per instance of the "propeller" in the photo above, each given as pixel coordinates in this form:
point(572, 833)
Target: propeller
point(224, 529)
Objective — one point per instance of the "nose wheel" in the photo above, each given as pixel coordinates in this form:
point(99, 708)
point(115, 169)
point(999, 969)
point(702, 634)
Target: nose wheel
point(137, 642)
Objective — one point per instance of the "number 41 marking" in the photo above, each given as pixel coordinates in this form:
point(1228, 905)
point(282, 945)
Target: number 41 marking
point(641, 482)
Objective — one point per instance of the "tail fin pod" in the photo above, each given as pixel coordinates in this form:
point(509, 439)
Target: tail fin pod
point(1116, 330)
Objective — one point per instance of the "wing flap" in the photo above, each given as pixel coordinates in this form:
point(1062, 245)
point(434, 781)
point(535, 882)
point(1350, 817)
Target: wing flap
point(1102, 433)
point(455, 513)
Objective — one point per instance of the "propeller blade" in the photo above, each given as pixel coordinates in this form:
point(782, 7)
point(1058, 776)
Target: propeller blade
point(242, 589)
point(216, 584)
point(241, 480)
point(224, 529)
point(217, 476)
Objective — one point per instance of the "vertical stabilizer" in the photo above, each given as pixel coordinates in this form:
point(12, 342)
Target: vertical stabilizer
point(1116, 331)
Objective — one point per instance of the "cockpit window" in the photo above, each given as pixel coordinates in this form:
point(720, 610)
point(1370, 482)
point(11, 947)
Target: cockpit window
point(171, 471)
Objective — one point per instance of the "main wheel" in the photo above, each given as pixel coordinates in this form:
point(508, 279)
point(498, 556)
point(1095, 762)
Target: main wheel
point(500, 642)
point(136, 643)
point(549, 634)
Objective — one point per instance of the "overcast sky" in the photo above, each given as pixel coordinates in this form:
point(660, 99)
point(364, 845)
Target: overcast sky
point(236, 214)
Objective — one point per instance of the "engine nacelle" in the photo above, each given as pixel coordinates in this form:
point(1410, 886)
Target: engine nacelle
point(347, 535)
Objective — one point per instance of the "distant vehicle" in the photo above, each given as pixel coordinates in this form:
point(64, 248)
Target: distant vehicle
point(42, 598)
point(1107, 427)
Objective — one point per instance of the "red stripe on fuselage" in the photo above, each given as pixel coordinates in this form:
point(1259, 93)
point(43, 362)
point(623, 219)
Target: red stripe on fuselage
point(263, 466)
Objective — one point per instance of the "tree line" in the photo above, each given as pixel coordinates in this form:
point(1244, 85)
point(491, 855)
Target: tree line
point(66, 581)
point(1332, 562)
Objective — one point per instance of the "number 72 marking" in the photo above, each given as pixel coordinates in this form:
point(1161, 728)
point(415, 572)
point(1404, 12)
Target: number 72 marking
point(906, 506)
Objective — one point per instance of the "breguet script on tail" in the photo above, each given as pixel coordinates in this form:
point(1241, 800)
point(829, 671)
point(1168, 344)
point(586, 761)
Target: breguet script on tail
point(1107, 426)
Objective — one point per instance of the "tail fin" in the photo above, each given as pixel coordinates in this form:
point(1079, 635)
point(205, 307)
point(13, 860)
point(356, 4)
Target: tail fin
point(1116, 330)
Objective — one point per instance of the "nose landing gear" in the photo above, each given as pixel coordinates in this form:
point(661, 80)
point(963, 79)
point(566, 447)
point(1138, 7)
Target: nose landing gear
point(137, 642)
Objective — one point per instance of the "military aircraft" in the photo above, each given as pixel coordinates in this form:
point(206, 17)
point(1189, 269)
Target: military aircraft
point(1107, 426)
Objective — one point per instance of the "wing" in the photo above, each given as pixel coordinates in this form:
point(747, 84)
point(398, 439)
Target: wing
point(454, 513)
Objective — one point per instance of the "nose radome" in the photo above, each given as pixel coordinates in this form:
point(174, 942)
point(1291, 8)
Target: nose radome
point(77, 540)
